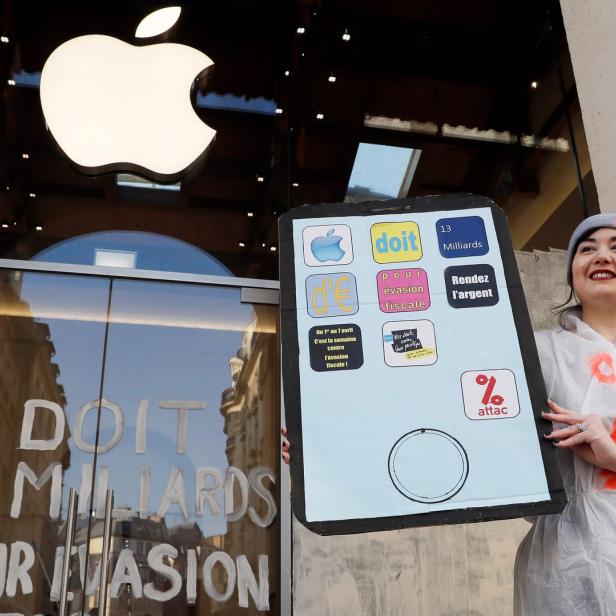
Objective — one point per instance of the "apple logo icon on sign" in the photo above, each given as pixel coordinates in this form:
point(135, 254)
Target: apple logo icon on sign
point(327, 248)
point(325, 245)
point(112, 106)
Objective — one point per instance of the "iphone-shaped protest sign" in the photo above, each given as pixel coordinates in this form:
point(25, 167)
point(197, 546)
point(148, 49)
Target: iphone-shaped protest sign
point(411, 381)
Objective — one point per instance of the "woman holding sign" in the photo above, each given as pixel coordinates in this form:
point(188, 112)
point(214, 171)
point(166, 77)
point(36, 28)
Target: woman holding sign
point(566, 565)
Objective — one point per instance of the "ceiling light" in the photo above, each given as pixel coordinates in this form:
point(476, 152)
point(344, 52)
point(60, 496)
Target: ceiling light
point(241, 244)
point(320, 116)
point(295, 184)
point(38, 228)
point(346, 36)
point(32, 195)
point(4, 39)
point(260, 178)
point(301, 30)
point(278, 110)
point(5, 225)
point(25, 155)
point(250, 214)
point(263, 245)
point(534, 84)
point(332, 78)
point(8, 187)
point(287, 73)
point(273, 248)
point(11, 82)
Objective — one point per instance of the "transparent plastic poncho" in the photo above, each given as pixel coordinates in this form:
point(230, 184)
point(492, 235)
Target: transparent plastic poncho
point(566, 564)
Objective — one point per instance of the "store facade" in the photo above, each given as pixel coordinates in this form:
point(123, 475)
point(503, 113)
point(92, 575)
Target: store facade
point(138, 307)
point(161, 394)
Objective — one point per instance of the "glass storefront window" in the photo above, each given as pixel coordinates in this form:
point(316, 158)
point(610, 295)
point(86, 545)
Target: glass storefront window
point(164, 393)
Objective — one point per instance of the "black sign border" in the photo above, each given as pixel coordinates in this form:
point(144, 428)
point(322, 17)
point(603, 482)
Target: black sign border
point(290, 367)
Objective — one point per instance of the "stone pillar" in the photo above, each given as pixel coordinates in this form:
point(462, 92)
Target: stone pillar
point(590, 27)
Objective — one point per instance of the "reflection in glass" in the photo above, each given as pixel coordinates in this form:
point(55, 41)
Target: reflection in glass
point(184, 433)
point(48, 367)
point(191, 374)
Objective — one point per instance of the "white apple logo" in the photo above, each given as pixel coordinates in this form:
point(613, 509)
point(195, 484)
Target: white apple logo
point(112, 106)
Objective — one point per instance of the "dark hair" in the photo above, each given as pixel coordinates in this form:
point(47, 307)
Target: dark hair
point(563, 311)
point(566, 309)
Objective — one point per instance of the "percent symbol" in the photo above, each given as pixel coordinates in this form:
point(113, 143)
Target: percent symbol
point(482, 379)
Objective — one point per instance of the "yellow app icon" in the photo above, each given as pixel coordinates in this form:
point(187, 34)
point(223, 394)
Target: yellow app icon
point(396, 241)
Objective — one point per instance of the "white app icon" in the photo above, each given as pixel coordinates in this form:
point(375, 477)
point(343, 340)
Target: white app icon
point(490, 394)
point(111, 106)
point(327, 245)
point(409, 343)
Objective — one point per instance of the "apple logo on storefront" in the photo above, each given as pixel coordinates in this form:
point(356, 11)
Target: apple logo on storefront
point(327, 247)
point(112, 106)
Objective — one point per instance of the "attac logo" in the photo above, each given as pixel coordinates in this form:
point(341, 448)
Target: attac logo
point(393, 242)
point(490, 394)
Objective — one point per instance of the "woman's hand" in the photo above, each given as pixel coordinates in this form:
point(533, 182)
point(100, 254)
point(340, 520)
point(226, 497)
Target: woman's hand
point(286, 445)
point(594, 444)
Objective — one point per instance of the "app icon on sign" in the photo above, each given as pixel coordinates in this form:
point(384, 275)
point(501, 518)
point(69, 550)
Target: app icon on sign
point(409, 343)
point(327, 245)
point(403, 290)
point(490, 394)
point(464, 236)
point(471, 286)
point(331, 295)
point(335, 347)
point(393, 242)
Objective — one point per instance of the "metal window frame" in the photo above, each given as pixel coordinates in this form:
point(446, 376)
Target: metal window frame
point(137, 274)
point(253, 290)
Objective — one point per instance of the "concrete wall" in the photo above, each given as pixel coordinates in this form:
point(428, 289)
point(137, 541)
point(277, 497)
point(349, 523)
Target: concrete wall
point(446, 570)
point(590, 26)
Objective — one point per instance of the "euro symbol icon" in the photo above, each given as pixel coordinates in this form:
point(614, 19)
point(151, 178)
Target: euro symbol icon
point(341, 294)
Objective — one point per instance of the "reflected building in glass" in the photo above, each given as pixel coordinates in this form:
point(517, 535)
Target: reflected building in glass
point(28, 371)
point(252, 434)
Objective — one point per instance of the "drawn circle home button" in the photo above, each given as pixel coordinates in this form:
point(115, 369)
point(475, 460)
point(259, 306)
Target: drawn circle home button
point(428, 465)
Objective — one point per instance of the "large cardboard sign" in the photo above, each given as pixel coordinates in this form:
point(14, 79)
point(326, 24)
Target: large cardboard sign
point(412, 385)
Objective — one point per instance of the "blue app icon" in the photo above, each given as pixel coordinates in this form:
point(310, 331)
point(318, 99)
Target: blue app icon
point(327, 247)
point(331, 295)
point(463, 236)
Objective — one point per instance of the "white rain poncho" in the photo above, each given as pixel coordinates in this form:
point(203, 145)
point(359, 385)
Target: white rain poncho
point(566, 565)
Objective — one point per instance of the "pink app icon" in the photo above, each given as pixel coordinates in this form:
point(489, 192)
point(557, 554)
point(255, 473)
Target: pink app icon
point(403, 290)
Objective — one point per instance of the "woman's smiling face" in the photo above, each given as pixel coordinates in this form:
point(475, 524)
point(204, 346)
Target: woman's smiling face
point(593, 268)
